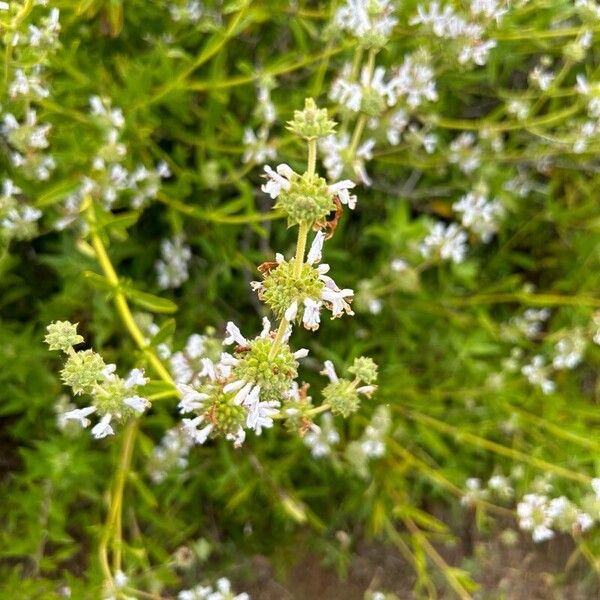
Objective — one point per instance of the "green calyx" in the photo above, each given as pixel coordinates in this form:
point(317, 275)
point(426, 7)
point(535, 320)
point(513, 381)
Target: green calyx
point(225, 416)
point(342, 397)
point(109, 398)
point(372, 103)
point(312, 122)
point(273, 375)
point(308, 200)
point(82, 370)
point(62, 335)
point(281, 287)
point(364, 369)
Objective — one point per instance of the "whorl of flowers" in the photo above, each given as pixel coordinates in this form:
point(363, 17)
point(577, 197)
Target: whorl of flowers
point(113, 399)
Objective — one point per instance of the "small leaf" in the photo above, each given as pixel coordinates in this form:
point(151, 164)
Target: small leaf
point(98, 281)
point(150, 301)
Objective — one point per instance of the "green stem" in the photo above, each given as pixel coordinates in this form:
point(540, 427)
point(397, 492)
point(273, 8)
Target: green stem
point(356, 135)
point(312, 156)
point(112, 527)
point(362, 119)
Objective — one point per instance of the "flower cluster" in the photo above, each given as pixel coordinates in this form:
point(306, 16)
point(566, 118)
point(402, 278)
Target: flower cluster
point(466, 32)
point(172, 268)
point(543, 516)
point(221, 591)
point(257, 146)
point(18, 218)
point(108, 179)
point(113, 399)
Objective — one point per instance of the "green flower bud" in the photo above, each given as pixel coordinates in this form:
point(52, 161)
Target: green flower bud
point(62, 335)
point(281, 287)
point(373, 40)
point(372, 103)
point(364, 369)
point(308, 200)
point(274, 375)
point(312, 122)
point(342, 397)
point(225, 416)
point(82, 370)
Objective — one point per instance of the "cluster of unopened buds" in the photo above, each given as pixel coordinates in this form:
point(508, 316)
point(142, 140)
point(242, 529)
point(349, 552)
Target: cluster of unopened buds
point(255, 381)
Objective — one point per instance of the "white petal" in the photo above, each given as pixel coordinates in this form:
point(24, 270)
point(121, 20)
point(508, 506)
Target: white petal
point(103, 428)
point(292, 311)
point(137, 403)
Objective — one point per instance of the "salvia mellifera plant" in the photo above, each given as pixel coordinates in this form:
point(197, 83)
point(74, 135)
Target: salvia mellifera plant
point(249, 382)
point(453, 169)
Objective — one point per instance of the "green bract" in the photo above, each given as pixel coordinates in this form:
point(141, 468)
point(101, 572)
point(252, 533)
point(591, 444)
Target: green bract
point(281, 287)
point(109, 399)
point(342, 397)
point(308, 200)
point(364, 369)
point(312, 122)
point(225, 416)
point(82, 371)
point(62, 335)
point(273, 375)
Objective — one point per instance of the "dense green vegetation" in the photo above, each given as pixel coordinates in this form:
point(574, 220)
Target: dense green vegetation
point(134, 136)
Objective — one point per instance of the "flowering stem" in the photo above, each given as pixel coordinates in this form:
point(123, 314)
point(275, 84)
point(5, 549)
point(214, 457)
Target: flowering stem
point(121, 302)
point(356, 135)
point(114, 515)
point(319, 409)
point(303, 230)
point(312, 156)
point(112, 526)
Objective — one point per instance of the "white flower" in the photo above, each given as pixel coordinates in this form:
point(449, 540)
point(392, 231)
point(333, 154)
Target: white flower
point(596, 487)
point(340, 189)
point(277, 180)
point(136, 377)
point(364, 18)
point(311, 317)
point(191, 399)
point(316, 249)
point(80, 414)
point(534, 516)
point(329, 370)
point(138, 403)
point(190, 426)
point(257, 147)
point(103, 428)
point(292, 311)
point(172, 267)
point(568, 351)
point(450, 242)
point(260, 415)
point(321, 439)
point(536, 373)
point(234, 335)
point(479, 214)
point(120, 579)
point(541, 77)
point(243, 394)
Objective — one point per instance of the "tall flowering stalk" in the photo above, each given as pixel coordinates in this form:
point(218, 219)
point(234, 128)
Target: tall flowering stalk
point(256, 381)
